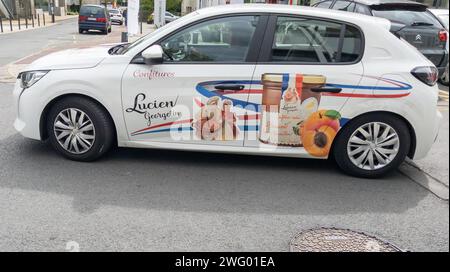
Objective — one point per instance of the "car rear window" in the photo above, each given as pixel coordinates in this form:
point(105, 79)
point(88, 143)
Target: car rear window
point(407, 16)
point(114, 11)
point(91, 10)
point(315, 41)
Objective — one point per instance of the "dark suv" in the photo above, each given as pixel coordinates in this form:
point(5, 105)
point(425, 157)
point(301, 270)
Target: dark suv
point(410, 20)
point(94, 17)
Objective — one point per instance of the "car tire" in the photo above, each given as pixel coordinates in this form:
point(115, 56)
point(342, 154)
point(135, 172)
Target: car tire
point(80, 31)
point(80, 138)
point(445, 77)
point(346, 152)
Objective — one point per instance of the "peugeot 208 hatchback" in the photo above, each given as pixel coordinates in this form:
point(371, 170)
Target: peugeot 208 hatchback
point(249, 79)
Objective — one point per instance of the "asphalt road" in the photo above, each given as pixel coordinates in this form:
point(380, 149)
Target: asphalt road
point(155, 200)
point(20, 44)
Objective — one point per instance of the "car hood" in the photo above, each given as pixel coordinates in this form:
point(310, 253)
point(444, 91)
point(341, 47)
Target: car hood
point(78, 58)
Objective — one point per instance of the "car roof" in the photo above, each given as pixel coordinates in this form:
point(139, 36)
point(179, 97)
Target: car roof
point(384, 2)
point(295, 10)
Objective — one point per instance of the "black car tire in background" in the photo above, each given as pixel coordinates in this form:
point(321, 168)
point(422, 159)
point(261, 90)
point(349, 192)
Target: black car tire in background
point(444, 78)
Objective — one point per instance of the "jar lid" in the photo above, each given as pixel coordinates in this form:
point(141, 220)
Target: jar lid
point(273, 77)
point(314, 79)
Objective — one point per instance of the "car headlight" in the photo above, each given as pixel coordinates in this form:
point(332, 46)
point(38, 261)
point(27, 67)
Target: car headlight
point(27, 79)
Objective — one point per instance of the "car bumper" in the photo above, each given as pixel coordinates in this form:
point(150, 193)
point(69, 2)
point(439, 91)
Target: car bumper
point(92, 25)
point(428, 137)
point(439, 58)
point(117, 20)
point(26, 122)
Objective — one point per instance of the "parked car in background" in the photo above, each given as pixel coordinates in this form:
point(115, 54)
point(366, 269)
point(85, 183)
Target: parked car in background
point(169, 17)
point(443, 16)
point(94, 17)
point(116, 16)
point(410, 20)
point(249, 79)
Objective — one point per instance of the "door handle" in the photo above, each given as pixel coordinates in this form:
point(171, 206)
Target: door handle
point(326, 90)
point(229, 87)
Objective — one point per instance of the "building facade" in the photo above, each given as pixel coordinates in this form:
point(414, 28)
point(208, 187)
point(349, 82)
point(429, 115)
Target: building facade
point(16, 8)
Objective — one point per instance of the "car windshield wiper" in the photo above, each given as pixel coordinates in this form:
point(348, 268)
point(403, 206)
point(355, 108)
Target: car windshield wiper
point(421, 24)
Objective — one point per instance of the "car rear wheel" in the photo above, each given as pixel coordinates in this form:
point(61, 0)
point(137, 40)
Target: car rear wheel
point(80, 31)
point(80, 129)
point(372, 145)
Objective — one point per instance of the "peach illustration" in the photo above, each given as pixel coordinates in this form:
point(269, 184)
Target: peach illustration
point(318, 132)
point(318, 142)
point(321, 118)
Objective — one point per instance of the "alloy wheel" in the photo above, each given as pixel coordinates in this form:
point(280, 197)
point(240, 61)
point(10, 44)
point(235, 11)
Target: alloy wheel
point(74, 131)
point(373, 146)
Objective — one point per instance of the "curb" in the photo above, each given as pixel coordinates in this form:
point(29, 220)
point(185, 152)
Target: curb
point(425, 180)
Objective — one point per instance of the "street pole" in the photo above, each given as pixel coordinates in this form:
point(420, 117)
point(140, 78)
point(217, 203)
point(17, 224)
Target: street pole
point(140, 16)
point(53, 11)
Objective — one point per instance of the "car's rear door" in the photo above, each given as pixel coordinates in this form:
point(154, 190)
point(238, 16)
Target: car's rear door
point(308, 69)
point(199, 92)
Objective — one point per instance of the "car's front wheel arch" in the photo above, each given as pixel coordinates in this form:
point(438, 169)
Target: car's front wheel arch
point(43, 119)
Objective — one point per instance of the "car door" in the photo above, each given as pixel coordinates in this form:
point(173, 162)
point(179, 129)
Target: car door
point(198, 93)
point(307, 71)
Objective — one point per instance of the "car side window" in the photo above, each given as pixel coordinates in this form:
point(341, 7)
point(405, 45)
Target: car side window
point(219, 40)
point(314, 41)
point(344, 6)
point(324, 4)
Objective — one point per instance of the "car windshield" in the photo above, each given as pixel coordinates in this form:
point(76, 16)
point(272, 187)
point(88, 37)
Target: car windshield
point(132, 45)
point(409, 17)
point(90, 10)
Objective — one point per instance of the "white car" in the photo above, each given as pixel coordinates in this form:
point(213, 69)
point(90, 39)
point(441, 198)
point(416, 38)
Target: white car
point(251, 79)
point(443, 16)
point(116, 16)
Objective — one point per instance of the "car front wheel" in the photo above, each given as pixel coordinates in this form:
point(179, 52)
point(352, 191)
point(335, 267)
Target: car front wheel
point(372, 145)
point(80, 129)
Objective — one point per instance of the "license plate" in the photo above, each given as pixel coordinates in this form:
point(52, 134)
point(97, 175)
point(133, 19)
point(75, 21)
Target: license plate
point(92, 19)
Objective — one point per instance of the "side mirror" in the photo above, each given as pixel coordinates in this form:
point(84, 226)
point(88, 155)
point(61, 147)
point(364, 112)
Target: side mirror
point(153, 54)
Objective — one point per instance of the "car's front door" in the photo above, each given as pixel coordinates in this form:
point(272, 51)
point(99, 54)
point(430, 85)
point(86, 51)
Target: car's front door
point(308, 69)
point(196, 94)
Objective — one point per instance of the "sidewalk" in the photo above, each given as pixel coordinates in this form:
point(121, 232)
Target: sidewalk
point(37, 24)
